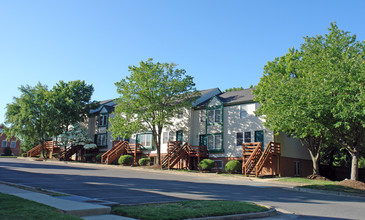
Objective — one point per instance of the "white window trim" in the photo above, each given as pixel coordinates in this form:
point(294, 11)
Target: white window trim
point(244, 136)
point(214, 147)
point(6, 143)
point(214, 116)
point(165, 137)
point(243, 112)
point(13, 144)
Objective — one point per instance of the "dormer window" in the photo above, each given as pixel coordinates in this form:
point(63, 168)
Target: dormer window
point(214, 116)
point(103, 120)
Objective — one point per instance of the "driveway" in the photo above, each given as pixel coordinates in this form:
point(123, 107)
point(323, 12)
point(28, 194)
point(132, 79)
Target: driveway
point(127, 185)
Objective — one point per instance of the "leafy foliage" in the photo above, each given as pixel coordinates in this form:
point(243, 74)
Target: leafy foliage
point(76, 135)
point(206, 164)
point(125, 160)
point(144, 161)
point(40, 114)
point(98, 157)
point(233, 166)
point(317, 93)
point(233, 89)
point(71, 100)
point(149, 98)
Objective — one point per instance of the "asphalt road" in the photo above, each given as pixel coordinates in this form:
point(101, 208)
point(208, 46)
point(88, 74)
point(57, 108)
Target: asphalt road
point(128, 185)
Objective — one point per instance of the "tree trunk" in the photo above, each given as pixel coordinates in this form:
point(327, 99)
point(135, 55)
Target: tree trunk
point(315, 162)
point(314, 147)
point(354, 165)
point(157, 145)
point(42, 148)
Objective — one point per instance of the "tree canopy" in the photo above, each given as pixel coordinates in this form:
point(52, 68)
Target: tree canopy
point(149, 98)
point(40, 114)
point(317, 93)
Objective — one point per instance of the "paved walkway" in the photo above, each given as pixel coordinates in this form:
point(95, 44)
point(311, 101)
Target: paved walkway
point(77, 208)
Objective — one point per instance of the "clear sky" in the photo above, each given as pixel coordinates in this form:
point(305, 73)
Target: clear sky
point(220, 43)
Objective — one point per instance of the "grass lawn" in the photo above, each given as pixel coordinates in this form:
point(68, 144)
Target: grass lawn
point(322, 185)
point(13, 207)
point(307, 181)
point(187, 209)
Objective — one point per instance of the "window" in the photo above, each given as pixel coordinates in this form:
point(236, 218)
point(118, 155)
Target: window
point(103, 120)
point(4, 144)
point(1, 130)
point(248, 137)
point(218, 164)
point(165, 137)
point(13, 144)
point(214, 142)
point(145, 140)
point(101, 141)
point(296, 168)
point(215, 116)
point(243, 112)
point(202, 116)
point(239, 138)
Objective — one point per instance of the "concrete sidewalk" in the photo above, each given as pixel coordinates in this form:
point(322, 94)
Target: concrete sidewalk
point(65, 204)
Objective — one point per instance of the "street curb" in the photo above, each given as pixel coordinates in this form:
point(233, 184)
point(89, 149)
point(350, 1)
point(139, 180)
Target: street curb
point(326, 192)
point(268, 213)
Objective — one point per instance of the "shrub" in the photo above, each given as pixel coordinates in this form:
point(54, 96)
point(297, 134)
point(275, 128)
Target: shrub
point(233, 166)
point(144, 161)
point(7, 151)
point(125, 160)
point(206, 164)
point(98, 157)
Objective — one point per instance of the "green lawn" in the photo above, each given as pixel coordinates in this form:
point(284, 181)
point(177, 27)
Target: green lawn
point(322, 185)
point(307, 181)
point(337, 188)
point(13, 207)
point(187, 209)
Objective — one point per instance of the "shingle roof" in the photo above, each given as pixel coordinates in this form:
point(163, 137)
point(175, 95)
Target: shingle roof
point(243, 95)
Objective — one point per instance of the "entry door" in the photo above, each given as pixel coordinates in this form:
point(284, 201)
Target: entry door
point(179, 136)
point(259, 137)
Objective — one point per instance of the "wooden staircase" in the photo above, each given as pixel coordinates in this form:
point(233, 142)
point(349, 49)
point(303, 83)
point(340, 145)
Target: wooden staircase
point(176, 152)
point(254, 158)
point(66, 154)
point(251, 155)
point(120, 148)
point(50, 146)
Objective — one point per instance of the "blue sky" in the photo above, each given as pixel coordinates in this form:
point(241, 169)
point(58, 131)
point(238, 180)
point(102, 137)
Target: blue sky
point(220, 43)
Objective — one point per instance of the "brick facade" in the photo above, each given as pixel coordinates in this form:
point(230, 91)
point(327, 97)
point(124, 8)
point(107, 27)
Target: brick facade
point(13, 143)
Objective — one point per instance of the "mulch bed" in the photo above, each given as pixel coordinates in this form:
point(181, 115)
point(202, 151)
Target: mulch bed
point(353, 184)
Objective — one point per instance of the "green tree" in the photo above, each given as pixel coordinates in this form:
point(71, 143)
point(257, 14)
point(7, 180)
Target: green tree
point(40, 114)
point(71, 100)
point(318, 92)
point(31, 116)
point(149, 98)
point(76, 135)
point(233, 89)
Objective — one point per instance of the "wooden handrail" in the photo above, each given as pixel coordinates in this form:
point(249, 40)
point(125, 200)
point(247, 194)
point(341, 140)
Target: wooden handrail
point(272, 148)
point(116, 152)
point(115, 145)
point(249, 165)
point(48, 145)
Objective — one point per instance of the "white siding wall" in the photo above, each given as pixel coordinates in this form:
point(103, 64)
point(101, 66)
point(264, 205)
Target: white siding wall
point(291, 147)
